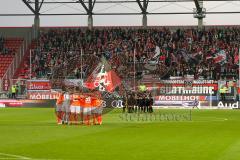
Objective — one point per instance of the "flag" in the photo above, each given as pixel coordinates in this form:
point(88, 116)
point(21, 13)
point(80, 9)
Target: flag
point(184, 54)
point(174, 58)
point(209, 57)
point(114, 81)
point(104, 81)
point(150, 66)
point(157, 52)
point(90, 80)
point(236, 59)
point(220, 57)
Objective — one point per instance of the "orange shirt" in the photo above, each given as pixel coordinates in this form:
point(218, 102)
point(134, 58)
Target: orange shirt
point(87, 101)
point(91, 102)
point(75, 100)
point(96, 102)
point(60, 99)
point(82, 101)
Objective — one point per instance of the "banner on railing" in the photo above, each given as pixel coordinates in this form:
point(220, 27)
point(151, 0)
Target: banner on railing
point(38, 95)
point(27, 103)
point(178, 87)
point(38, 85)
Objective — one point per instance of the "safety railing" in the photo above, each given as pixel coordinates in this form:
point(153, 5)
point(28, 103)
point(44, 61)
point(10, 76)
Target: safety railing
point(19, 55)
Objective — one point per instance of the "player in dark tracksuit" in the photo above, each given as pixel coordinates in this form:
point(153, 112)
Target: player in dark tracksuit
point(144, 103)
point(138, 103)
point(135, 103)
point(131, 102)
point(125, 103)
point(147, 103)
point(150, 103)
point(141, 103)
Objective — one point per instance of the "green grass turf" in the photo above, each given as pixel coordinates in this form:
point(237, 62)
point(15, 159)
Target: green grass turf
point(33, 133)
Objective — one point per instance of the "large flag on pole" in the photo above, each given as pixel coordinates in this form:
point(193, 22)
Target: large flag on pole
point(113, 80)
point(104, 81)
point(89, 82)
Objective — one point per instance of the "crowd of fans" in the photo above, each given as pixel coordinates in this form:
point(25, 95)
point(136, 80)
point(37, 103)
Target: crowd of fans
point(3, 49)
point(160, 52)
point(1, 44)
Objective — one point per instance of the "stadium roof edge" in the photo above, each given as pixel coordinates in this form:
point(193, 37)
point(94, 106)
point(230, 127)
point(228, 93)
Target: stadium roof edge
point(119, 26)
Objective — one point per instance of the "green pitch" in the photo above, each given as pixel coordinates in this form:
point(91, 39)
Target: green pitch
point(31, 133)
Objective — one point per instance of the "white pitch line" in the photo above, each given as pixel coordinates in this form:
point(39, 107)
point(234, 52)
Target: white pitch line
point(9, 158)
point(19, 157)
point(44, 159)
point(13, 156)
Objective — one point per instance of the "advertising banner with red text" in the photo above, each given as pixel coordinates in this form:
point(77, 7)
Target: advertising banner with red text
point(38, 85)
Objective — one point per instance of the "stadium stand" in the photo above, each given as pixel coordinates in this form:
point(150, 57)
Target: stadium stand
point(1, 43)
point(209, 54)
point(9, 47)
point(23, 70)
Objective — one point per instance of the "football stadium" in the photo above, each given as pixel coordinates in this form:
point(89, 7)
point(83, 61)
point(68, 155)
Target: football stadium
point(119, 79)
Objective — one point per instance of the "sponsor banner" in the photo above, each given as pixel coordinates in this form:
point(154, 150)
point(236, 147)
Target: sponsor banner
point(183, 81)
point(180, 89)
point(27, 103)
point(10, 103)
point(228, 105)
point(187, 100)
point(2, 105)
point(183, 87)
point(38, 85)
point(177, 104)
point(41, 95)
point(184, 98)
point(113, 103)
point(39, 103)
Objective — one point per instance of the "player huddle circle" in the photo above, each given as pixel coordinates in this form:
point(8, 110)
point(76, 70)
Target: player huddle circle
point(79, 108)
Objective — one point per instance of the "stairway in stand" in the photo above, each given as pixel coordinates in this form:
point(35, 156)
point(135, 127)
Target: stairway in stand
point(23, 71)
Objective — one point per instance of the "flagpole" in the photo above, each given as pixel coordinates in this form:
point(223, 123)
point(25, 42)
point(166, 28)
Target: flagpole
point(238, 72)
point(134, 59)
point(30, 63)
point(81, 65)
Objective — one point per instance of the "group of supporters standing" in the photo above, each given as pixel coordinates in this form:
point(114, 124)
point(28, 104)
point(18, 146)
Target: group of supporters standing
point(79, 108)
point(138, 102)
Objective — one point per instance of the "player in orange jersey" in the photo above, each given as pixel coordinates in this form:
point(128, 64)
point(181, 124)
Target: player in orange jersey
point(74, 108)
point(97, 111)
point(59, 109)
point(82, 103)
point(87, 109)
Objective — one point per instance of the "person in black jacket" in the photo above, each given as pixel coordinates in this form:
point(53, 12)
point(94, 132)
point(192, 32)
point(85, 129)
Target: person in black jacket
point(141, 103)
point(138, 99)
point(125, 103)
point(135, 103)
point(144, 103)
point(147, 103)
point(150, 104)
point(131, 102)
